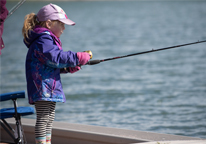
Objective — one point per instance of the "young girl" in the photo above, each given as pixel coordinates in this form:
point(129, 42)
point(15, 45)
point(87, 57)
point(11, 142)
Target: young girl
point(44, 62)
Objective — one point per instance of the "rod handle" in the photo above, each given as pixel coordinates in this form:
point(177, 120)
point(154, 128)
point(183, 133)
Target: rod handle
point(93, 62)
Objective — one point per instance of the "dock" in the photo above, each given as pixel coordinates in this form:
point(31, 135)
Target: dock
point(70, 133)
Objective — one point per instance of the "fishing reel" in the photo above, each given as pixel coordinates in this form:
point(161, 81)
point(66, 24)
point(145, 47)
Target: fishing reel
point(89, 52)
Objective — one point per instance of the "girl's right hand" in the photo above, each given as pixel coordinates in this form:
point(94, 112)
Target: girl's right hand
point(74, 69)
point(83, 57)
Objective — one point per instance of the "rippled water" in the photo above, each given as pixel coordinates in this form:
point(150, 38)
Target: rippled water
point(161, 92)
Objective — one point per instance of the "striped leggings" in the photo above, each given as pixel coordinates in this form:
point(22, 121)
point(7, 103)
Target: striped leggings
point(45, 111)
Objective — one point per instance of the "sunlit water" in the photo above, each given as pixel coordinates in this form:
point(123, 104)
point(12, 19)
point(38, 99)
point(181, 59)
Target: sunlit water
point(161, 92)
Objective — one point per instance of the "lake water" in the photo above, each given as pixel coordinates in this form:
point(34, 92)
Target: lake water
point(163, 92)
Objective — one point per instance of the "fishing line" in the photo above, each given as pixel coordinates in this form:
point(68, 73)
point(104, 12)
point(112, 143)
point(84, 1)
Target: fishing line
point(93, 62)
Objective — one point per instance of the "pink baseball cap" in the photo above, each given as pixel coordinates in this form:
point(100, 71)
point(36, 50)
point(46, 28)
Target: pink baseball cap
point(53, 12)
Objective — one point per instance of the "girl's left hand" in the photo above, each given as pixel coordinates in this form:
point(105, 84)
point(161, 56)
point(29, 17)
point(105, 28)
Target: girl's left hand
point(83, 57)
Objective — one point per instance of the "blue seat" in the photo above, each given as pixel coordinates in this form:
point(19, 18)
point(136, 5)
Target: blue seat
point(10, 112)
point(14, 112)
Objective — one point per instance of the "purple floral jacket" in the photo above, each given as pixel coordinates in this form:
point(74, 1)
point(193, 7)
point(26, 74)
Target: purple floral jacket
point(44, 60)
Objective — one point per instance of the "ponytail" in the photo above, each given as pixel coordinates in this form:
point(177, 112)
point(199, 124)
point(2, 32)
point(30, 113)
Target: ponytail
point(30, 21)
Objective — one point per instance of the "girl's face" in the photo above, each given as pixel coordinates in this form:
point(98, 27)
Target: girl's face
point(56, 27)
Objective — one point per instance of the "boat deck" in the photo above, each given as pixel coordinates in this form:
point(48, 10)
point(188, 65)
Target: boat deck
point(69, 133)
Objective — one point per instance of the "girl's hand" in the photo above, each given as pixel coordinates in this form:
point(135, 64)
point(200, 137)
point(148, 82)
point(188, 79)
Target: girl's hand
point(74, 69)
point(83, 57)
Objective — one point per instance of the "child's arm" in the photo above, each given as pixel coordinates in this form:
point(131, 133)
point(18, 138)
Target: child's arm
point(49, 53)
point(77, 68)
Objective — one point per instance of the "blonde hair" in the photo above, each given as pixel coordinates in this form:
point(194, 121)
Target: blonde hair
point(30, 21)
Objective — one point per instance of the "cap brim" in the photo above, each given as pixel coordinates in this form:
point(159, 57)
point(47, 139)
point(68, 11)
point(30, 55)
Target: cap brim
point(67, 21)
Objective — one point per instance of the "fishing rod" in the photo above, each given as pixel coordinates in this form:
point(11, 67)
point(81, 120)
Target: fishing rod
point(15, 8)
point(93, 62)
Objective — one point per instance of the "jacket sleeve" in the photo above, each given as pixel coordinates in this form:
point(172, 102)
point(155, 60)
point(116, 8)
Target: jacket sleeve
point(49, 53)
